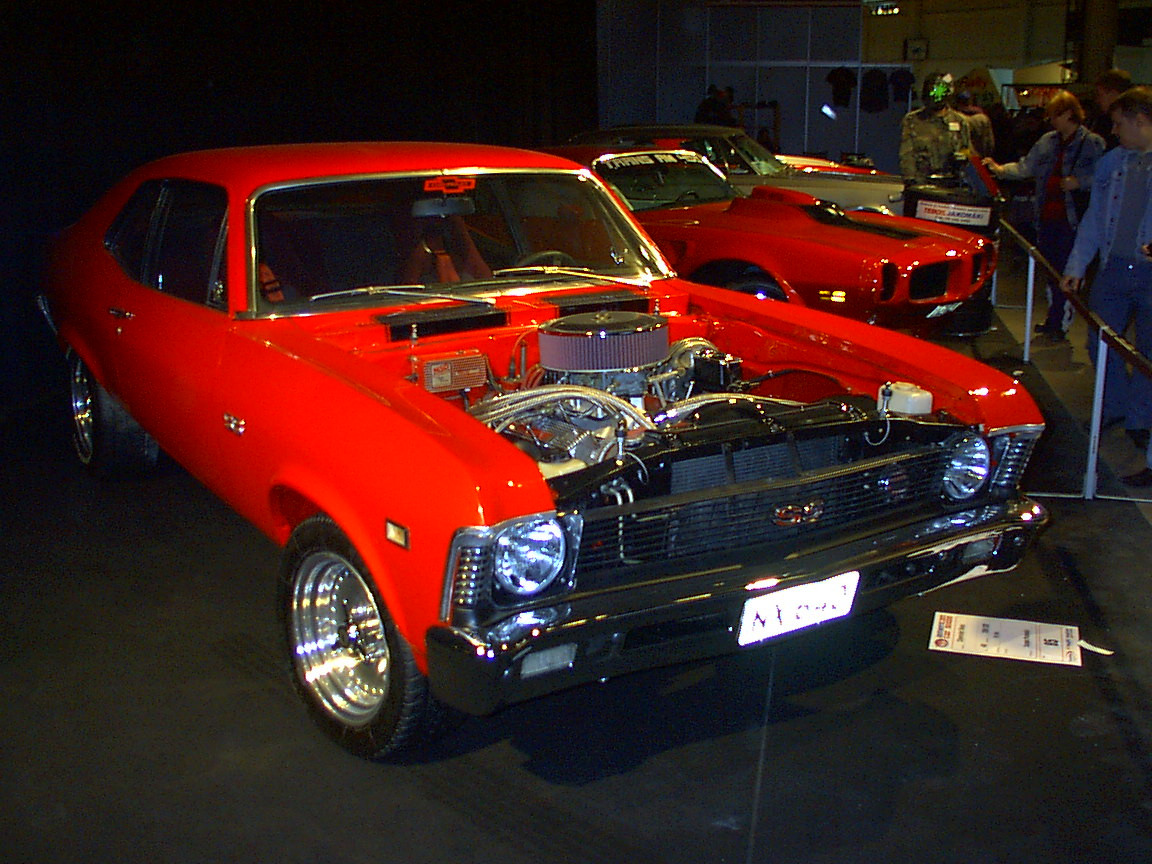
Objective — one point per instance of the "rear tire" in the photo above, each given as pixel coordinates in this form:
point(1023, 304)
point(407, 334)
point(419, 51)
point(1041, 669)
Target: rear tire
point(351, 666)
point(106, 438)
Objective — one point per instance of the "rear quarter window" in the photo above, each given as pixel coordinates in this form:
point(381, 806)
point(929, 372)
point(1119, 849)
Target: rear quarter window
point(128, 237)
point(169, 236)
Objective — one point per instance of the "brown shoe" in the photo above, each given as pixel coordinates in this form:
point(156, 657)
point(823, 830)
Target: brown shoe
point(1139, 480)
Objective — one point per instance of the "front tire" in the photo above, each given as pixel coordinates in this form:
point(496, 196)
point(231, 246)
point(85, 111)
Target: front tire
point(106, 438)
point(351, 665)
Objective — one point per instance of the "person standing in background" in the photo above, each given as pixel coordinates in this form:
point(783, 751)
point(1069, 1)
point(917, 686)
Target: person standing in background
point(979, 124)
point(1062, 162)
point(932, 136)
point(716, 109)
point(1109, 86)
point(1118, 228)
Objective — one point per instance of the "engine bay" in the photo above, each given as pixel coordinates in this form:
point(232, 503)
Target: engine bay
point(615, 409)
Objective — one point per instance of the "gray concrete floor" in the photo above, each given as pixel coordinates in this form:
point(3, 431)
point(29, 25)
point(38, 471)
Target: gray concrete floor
point(147, 714)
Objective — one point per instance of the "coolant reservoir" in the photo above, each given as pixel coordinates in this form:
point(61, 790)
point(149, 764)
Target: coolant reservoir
point(901, 397)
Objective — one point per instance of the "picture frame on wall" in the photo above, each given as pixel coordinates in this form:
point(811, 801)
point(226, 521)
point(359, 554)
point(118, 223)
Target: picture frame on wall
point(915, 49)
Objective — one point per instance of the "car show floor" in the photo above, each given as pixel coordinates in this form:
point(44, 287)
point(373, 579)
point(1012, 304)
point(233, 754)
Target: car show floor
point(148, 715)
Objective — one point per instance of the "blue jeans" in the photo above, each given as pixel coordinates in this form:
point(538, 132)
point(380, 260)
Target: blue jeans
point(1121, 294)
point(1054, 241)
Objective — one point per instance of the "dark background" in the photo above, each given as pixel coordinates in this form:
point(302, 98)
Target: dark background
point(90, 90)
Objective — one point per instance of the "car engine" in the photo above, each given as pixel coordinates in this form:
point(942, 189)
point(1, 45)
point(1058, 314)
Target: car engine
point(606, 380)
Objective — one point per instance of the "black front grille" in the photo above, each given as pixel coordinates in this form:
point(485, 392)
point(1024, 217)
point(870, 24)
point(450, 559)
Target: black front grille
point(766, 513)
point(929, 281)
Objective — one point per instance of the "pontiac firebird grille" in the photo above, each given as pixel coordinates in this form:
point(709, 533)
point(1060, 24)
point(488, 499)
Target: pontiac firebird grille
point(929, 281)
point(770, 513)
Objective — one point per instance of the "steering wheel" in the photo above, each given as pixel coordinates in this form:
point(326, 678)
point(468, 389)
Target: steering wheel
point(558, 257)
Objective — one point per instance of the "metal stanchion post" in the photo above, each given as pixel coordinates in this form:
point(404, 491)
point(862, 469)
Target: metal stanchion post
point(1029, 300)
point(1094, 424)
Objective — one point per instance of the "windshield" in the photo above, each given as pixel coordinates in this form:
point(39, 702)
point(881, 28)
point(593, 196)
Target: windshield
point(388, 240)
point(651, 181)
point(738, 154)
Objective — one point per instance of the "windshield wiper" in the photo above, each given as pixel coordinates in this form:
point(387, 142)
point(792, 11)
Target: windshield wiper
point(415, 291)
point(575, 273)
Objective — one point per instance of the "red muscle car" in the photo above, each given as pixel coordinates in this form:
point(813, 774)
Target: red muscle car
point(504, 450)
point(787, 245)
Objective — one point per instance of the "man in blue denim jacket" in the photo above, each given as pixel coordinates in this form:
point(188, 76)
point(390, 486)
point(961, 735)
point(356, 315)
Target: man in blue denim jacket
point(1118, 228)
point(1063, 163)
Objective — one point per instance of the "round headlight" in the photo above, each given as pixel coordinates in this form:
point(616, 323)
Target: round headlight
point(529, 556)
point(967, 469)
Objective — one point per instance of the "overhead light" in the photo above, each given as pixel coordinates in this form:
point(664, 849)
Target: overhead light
point(882, 7)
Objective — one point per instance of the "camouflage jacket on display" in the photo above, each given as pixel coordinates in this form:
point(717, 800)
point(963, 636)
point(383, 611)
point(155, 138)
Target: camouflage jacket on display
point(928, 141)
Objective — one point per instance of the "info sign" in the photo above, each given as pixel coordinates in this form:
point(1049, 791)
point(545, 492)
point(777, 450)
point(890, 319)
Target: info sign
point(1006, 637)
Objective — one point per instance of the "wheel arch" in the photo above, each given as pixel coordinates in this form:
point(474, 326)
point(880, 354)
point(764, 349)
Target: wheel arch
point(297, 495)
point(290, 505)
point(724, 271)
point(73, 344)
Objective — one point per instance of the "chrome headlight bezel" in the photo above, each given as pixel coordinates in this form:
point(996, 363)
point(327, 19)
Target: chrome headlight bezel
point(472, 590)
point(528, 555)
point(968, 467)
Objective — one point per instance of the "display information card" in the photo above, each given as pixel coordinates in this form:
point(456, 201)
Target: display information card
point(1006, 637)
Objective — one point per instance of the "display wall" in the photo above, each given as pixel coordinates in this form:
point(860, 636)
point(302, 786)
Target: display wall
point(657, 63)
point(657, 58)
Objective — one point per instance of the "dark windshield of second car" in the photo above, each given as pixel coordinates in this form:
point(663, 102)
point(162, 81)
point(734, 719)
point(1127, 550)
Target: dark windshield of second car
point(652, 181)
point(382, 237)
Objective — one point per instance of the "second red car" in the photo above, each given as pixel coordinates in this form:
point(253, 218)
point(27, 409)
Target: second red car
point(786, 245)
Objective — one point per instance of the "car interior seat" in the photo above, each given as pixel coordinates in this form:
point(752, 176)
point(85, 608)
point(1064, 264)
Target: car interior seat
point(443, 251)
point(284, 271)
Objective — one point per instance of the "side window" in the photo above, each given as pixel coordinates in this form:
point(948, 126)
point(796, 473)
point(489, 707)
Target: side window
point(128, 237)
point(188, 258)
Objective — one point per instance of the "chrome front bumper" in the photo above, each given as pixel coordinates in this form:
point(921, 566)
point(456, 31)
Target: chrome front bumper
point(596, 635)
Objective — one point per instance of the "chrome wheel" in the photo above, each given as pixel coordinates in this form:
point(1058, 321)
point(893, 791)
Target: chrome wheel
point(339, 641)
point(83, 408)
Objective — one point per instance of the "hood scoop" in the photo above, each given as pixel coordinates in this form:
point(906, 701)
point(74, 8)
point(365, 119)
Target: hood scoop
point(445, 319)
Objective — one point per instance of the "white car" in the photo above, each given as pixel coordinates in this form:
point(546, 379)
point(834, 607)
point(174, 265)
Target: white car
point(748, 163)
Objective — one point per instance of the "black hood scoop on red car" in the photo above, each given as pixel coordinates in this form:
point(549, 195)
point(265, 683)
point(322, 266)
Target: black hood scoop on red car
point(442, 319)
point(833, 216)
point(599, 301)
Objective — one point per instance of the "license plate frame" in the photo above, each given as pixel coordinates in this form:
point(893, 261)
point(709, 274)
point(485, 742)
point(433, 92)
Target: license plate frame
point(787, 610)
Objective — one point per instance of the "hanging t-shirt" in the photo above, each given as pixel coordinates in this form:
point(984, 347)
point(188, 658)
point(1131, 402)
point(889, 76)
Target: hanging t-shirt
point(842, 80)
point(902, 81)
point(874, 91)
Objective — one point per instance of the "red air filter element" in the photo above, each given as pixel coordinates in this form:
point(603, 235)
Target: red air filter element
point(603, 341)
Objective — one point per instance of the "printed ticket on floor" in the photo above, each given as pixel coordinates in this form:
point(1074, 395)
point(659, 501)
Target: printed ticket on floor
point(1006, 637)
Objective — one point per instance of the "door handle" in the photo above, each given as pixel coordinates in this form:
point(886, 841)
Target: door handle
point(117, 312)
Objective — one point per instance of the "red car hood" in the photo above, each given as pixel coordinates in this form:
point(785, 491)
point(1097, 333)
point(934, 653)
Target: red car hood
point(359, 348)
point(869, 234)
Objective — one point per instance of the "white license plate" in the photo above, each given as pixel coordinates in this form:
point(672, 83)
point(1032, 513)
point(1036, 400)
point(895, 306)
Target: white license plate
point(794, 608)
